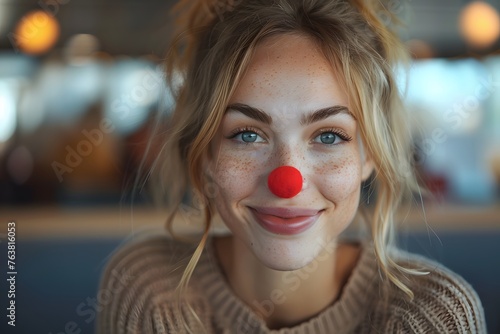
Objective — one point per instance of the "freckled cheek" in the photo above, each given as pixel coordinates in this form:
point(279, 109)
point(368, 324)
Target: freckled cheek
point(238, 173)
point(339, 178)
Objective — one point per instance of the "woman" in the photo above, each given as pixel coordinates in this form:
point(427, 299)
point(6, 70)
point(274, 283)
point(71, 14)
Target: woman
point(284, 110)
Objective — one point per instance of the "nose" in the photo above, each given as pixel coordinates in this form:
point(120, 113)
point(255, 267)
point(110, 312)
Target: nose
point(285, 181)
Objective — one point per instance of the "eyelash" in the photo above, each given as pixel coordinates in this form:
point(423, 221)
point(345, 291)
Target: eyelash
point(238, 131)
point(341, 134)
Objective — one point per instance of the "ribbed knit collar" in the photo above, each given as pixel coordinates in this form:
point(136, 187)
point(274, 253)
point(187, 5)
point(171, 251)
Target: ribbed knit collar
point(343, 316)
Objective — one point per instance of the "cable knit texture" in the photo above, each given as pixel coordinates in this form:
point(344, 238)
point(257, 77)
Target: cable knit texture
point(138, 283)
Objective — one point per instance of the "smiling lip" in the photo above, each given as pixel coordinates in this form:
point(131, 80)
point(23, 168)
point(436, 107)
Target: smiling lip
point(286, 221)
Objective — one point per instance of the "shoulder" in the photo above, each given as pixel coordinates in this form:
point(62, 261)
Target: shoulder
point(443, 301)
point(144, 259)
point(141, 254)
point(137, 287)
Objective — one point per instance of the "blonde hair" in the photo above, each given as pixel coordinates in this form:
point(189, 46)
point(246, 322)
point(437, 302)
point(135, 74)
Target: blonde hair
point(212, 46)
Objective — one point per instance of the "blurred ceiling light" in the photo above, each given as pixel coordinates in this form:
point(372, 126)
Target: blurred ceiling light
point(31, 111)
point(449, 95)
point(7, 112)
point(480, 24)
point(68, 91)
point(80, 48)
point(134, 87)
point(36, 33)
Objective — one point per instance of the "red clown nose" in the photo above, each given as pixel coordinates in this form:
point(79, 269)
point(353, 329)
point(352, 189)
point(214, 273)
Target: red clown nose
point(285, 181)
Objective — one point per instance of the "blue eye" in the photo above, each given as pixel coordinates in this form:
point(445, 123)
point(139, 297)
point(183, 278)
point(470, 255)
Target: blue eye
point(332, 137)
point(328, 138)
point(247, 136)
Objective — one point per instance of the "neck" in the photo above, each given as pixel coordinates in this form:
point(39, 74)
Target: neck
point(285, 298)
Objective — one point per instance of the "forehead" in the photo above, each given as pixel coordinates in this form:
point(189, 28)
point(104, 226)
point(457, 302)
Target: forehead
point(290, 49)
point(290, 68)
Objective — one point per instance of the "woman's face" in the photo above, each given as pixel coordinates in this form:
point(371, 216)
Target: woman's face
point(289, 109)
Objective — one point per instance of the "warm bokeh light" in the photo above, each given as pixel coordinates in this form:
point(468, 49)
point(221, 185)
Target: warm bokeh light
point(36, 32)
point(480, 24)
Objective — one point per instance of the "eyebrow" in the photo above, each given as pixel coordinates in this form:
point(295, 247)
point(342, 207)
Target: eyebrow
point(315, 116)
point(251, 112)
point(324, 113)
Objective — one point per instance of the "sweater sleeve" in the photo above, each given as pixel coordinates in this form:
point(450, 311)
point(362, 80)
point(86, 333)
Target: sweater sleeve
point(136, 292)
point(443, 303)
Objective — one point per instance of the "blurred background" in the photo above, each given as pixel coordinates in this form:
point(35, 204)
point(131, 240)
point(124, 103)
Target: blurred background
point(80, 81)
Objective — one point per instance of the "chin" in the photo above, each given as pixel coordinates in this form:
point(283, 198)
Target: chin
point(285, 255)
point(291, 266)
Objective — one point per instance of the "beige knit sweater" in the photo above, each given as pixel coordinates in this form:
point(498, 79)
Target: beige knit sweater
point(137, 296)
